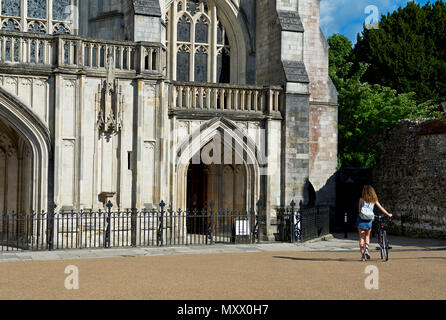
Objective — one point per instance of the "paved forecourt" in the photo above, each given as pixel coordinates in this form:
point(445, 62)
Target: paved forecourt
point(269, 271)
point(260, 275)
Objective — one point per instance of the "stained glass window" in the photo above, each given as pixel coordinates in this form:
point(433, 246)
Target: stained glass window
point(194, 48)
point(183, 63)
point(11, 25)
point(61, 29)
point(37, 9)
point(11, 8)
point(61, 10)
point(201, 65)
point(201, 31)
point(183, 29)
point(219, 34)
point(36, 27)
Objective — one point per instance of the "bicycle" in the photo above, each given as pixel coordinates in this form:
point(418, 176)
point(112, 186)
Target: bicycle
point(384, 244)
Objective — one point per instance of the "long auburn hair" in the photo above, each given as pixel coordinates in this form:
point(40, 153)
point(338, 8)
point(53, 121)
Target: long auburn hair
point(369, 194)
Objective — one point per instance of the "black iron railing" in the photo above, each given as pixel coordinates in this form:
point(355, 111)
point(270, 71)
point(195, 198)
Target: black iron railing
point(298, 224)
point(129, 228)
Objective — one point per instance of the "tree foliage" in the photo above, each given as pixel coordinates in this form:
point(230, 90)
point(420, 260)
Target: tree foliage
point(366, 110)
point(408, 50)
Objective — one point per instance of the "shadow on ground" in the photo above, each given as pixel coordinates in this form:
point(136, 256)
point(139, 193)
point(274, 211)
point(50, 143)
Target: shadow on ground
point(318, 259)
point(396, 240)
point(354, 260)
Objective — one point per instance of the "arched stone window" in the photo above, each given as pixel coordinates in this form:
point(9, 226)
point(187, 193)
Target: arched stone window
point(38, 16)
point(198, 47)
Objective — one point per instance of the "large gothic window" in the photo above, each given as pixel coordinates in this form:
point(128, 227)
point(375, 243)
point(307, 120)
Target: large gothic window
point(38, 16)
point(197, 42)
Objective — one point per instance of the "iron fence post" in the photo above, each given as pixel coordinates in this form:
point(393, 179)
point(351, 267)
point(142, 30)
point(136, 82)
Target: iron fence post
point(212, 204)
point(293, 205)
point(108, 230)
point(50, 227)
point(160, 239)
point(134, 223)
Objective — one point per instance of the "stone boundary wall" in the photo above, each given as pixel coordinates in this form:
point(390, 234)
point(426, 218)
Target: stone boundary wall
point(410, 178)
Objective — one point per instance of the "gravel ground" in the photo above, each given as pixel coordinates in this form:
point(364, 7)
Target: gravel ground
point(279, 275)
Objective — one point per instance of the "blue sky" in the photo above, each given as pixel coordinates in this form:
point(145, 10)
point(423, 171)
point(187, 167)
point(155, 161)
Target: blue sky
point(347, 16)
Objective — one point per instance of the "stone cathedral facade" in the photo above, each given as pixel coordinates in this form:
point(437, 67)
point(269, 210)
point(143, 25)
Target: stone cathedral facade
point(137, 101)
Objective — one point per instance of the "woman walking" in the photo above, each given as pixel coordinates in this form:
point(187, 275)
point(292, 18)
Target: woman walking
point(366, 204)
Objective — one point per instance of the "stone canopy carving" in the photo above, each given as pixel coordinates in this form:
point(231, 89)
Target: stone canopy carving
point(109, 100)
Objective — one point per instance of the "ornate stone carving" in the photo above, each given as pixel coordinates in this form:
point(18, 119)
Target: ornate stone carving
point(11, 81)
point(109, 101)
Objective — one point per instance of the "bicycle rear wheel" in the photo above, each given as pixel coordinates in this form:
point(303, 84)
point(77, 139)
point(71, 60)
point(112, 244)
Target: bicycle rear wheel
point(385, 247)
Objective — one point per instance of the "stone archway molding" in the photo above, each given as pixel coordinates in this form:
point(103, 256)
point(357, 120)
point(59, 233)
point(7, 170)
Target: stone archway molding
point(245, 148)
point(37, 135)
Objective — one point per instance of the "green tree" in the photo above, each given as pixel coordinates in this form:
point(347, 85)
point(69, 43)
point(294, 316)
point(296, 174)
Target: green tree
point(366, 110)
point(340, 60)
point(408, 51)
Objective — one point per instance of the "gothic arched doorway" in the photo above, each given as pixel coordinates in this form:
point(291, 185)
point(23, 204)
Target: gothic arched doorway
point(15, 182)
point(225, 185)
point(25, 148)
point(231, 180)
point(15, 171)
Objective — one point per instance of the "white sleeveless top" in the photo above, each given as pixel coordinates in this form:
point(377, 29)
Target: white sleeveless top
point(367, 205)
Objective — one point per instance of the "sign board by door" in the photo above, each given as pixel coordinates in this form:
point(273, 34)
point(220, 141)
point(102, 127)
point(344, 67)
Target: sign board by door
point(242, 227)
point(241, 231)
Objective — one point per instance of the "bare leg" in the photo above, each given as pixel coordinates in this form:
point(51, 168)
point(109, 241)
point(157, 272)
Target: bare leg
point(367, 239)
point(361, 240)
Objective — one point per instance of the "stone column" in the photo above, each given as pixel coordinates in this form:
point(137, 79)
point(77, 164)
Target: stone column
point(280, 35)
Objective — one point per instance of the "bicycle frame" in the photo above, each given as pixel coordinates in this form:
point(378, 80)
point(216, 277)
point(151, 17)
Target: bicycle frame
point(384, 246)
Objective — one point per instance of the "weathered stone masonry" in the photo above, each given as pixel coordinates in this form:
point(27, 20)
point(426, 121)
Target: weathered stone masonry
point(411, 178)
point(111, 104)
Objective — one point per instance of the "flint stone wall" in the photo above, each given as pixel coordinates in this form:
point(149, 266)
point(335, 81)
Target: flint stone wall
point(410, 178)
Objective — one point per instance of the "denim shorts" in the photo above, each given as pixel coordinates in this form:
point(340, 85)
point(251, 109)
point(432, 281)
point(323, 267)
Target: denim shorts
point(364, 224)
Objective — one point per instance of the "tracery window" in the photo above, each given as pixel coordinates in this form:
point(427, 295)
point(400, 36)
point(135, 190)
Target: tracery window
point(198, 46)
point(38, 16)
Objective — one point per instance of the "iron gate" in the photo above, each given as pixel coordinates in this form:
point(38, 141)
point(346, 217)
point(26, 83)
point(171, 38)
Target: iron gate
point(302, 224)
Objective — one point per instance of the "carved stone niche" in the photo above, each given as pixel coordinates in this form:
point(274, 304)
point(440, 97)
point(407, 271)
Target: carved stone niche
point(109, 102)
